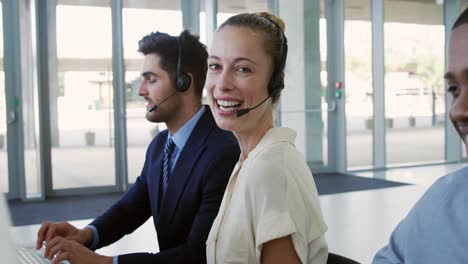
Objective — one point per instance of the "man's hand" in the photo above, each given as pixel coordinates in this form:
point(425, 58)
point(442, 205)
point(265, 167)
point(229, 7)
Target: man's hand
point(59, 249)
point(50, 230)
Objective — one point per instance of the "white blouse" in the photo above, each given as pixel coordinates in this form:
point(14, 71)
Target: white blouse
point(270, 195)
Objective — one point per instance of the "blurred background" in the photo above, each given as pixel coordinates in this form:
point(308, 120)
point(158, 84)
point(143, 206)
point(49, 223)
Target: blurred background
point(364, 86)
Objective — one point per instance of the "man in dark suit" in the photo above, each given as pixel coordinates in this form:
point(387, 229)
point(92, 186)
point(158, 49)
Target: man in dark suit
point(186, 170)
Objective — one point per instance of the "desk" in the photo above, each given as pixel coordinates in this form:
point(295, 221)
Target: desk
point(359, 223)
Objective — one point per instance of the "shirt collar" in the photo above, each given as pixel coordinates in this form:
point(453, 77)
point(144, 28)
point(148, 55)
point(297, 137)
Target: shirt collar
point(182, 135)
point(272, 136)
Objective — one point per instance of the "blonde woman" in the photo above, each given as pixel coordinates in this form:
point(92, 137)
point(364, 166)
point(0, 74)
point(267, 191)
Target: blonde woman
point(270, 211)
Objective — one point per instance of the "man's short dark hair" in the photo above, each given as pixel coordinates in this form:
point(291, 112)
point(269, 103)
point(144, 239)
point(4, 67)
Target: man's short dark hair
point(462, 19)
point(194, 55)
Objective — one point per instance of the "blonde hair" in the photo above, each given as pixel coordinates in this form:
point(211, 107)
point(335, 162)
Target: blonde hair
point(271, 29)
point(273, 18)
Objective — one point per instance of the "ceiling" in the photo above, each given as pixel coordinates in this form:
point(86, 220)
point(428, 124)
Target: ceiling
point(224, 6)
point(403, 11)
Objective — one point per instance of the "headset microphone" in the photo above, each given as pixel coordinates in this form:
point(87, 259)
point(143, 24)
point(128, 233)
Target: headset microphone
point(244, 111)
point(157, 105)
point(153, 108)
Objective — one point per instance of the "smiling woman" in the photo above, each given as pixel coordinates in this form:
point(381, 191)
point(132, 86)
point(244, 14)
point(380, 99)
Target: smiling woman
point(237, 78)
point(270, 212)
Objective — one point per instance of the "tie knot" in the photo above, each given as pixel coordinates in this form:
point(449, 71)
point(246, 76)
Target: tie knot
point(169, 148)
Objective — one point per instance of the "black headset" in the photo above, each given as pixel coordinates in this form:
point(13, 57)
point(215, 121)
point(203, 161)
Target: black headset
point(183, 80)
point(276, 83)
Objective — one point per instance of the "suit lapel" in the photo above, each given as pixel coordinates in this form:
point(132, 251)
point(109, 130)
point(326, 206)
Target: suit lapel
point(187, 160)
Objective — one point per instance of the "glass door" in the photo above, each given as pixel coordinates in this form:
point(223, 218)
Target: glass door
point(81, 101)
point(358, 79)
point(414, 85)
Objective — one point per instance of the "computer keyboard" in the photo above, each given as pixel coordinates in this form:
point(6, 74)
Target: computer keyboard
point(30, 255)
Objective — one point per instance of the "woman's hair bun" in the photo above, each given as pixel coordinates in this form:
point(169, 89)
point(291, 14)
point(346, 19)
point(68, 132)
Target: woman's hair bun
point(273, 18)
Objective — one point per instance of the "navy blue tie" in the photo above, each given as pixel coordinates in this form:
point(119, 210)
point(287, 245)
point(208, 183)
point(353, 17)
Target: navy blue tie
point(168, 149)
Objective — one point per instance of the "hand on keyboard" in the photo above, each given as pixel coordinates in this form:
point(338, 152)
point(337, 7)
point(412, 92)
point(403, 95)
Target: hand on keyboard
point(49, 230)
point(27, 254)
point(64, 249)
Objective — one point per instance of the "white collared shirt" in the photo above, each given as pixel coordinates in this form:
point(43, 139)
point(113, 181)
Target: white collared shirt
point(270, 195)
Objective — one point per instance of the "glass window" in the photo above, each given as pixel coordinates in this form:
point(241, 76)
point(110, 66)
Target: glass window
point(82, 113)
point(228, 8)
point(164, 17)
point(414, 85)
point(202, 21)
point(358, 79)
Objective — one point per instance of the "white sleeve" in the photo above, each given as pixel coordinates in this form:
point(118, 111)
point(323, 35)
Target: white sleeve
point(280, 208)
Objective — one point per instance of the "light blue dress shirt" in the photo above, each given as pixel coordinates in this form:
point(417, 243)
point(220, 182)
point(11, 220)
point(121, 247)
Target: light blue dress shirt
point(436, 229)
point(182, 135)
point(180, 139)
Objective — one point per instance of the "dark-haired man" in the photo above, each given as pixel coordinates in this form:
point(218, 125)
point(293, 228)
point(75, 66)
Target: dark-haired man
point(436, 229)
point(186, 170)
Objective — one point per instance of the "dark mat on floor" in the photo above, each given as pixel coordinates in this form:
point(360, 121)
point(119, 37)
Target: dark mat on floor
point(90, 206)
point(330, 183)
point(61, 209)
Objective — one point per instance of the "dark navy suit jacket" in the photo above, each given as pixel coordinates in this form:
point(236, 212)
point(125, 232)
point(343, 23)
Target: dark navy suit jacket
point(192, 200)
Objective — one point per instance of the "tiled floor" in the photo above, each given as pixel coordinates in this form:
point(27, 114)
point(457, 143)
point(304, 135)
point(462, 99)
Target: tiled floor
point(424, 175)
point(359, 223)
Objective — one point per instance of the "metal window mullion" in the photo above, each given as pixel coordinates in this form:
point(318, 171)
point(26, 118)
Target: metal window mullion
point(334, 13)
point(273, 6)
point(452, 140)
point(211, 10)
point(191, 15)
point(13, 89)
point(118, 71)
point(378, 87)
point(46, 66)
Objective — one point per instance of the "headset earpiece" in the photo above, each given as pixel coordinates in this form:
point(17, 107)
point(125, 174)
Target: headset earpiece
point(276, 83)
point(183, 80)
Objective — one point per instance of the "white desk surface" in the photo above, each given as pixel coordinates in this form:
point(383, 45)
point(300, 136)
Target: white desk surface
point(359, 223)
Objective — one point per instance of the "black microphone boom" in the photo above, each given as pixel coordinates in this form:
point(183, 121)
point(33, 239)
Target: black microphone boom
point(244, 111)
point(153, 108)
point(157, 105)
